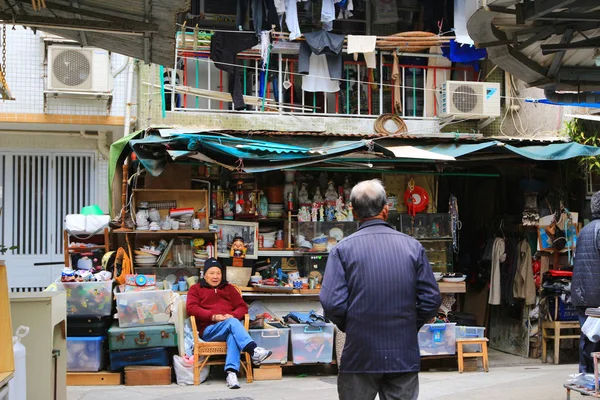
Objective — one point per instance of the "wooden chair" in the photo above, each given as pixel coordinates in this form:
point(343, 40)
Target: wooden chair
point(209, 349)
point(557, 335)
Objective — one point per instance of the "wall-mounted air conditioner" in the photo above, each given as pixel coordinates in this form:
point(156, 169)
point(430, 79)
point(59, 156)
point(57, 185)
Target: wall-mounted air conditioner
point(79, 69)
point(473, 100)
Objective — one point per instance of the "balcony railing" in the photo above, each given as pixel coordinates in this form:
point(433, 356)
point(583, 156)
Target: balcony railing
point(412, 95)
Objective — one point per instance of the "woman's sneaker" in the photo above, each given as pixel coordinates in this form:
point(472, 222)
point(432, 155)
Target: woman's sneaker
point(260, 355)
point(232, 380)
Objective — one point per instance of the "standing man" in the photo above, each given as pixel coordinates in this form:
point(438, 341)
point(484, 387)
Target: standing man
point(378, 288)
point(585, 287)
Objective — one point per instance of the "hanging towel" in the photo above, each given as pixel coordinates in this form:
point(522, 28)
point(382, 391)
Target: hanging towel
point(498, 257)
point(327, 14)
point(318, 79)
point(363, 44)
point(524, 285)
point(291, 19)
point(397, 96)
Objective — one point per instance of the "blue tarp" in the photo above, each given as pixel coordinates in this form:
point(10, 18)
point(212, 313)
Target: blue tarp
point(549, 152)
point(546, 101)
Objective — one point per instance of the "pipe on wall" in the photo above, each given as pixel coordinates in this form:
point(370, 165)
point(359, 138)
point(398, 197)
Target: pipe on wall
point(572, 98)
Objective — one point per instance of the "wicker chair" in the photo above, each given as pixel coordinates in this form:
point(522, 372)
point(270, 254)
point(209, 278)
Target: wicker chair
point(209, 349)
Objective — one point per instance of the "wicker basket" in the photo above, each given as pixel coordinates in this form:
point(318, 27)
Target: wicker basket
point(239, 276)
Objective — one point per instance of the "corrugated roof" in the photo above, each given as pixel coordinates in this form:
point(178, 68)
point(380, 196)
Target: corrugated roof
point(144, 29)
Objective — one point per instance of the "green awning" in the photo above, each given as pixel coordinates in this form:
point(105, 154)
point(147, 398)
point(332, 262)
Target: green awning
point(116, 149)
point(238, 153)
point(549, 152)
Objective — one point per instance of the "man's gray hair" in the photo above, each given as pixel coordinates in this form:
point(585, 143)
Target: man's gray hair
point(368, 198)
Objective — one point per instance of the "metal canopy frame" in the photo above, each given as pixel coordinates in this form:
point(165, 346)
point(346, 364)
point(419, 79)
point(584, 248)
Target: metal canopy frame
point(575, 24)
point(143, 29)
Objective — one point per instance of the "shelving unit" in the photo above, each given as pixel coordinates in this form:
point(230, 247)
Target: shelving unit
point(99, 242)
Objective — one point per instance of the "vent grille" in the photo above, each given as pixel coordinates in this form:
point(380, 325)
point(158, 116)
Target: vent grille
point(464, 98)
point(27, 289)
point(71, 68)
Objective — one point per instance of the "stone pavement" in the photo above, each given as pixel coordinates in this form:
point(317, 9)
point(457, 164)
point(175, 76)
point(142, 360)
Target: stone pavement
point(531, 382)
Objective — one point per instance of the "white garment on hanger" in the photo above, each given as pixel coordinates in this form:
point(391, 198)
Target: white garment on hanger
point(291, 19)
point(317, 79)
point(327, 14)
point(498, 257)
point(363, 44)
point(279, 6)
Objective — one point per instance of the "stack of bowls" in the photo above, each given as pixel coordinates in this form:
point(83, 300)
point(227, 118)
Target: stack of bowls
point(320, 243)
point(275, 211)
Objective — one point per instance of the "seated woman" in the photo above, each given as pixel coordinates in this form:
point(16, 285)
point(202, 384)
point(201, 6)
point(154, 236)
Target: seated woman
point(218, 309)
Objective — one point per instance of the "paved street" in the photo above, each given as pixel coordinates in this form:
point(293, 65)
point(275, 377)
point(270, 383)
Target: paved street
point(532, 382)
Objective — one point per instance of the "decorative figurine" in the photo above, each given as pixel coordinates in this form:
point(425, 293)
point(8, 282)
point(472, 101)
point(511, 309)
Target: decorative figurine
point(238, 248)
point(339, 204)
point(228, 207)
point(315, 210)
point(350, 216)
point(331, 195)
point(239, 199)
point(330, 212)
point(347, 188)
point(318, 198)
point(341, 216)
point(303, 214)
point(321, 214)
point(263, 205)
point(251, 203)
point(303, 199)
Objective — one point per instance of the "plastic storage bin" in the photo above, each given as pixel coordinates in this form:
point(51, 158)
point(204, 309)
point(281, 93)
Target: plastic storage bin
point(86, 299)
point(566, 311)
point(470, 332)
point(85, 354)
point(437, 339)
point(311, 344)
point(276, 340)
point(143, 308)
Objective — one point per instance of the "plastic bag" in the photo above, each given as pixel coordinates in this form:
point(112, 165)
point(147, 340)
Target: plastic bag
point(184, 370)
point(591, 328)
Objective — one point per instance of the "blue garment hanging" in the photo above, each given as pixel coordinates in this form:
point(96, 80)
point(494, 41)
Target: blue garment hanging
point(464, 54)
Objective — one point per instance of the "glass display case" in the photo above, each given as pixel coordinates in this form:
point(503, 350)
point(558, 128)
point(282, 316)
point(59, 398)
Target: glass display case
point(434, 231)
point(321, 236)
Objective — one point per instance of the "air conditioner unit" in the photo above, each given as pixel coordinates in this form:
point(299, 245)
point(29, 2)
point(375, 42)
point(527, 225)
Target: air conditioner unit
point(473, 100)
point(79, 69)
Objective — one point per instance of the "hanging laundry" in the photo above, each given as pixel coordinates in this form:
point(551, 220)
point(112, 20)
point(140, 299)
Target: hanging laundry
point(397, 86)
point(280, 6)
point(224, 48)
point(363, 44)
point(291, 19)
point(464, 54)
point(264, 15)
point(524, 285)
point(346, 7)
point(498, 257)
point(327, 14)
point(318, 80)
point(322, 43)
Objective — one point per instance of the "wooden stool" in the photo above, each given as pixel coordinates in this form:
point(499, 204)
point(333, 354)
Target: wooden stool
point(462, 355)
point(557, 326)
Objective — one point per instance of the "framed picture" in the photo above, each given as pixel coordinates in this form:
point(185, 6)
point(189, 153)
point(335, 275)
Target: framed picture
point(545, 242)
point(227, 230)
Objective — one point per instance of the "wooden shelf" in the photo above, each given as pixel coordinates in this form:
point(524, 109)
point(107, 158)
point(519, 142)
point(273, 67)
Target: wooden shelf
point(84, 249)
point(5, 377)
point(452, 287)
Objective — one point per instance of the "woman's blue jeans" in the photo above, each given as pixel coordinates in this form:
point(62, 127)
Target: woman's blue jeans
point(233, 332)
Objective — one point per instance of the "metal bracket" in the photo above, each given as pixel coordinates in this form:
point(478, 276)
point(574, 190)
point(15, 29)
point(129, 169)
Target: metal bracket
point(482, 124)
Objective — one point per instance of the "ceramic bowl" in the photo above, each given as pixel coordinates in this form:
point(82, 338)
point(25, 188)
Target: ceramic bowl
point(454, 280)
point(437, 275)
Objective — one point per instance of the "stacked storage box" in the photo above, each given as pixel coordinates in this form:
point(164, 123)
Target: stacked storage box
point(143, 335)
point(312, 344)
point(89, 307)
point(437, 339)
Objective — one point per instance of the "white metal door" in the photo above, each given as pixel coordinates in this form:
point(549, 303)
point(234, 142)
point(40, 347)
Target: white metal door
point(39, 189)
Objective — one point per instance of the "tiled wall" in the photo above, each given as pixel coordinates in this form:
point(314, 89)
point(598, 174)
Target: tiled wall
point(26, 71)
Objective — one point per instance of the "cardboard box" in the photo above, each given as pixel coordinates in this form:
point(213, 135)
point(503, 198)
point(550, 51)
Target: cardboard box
point(267, 373)
point(143, 375)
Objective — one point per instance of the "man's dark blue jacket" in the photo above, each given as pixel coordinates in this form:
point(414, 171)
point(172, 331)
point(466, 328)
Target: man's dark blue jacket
point(379, 288)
